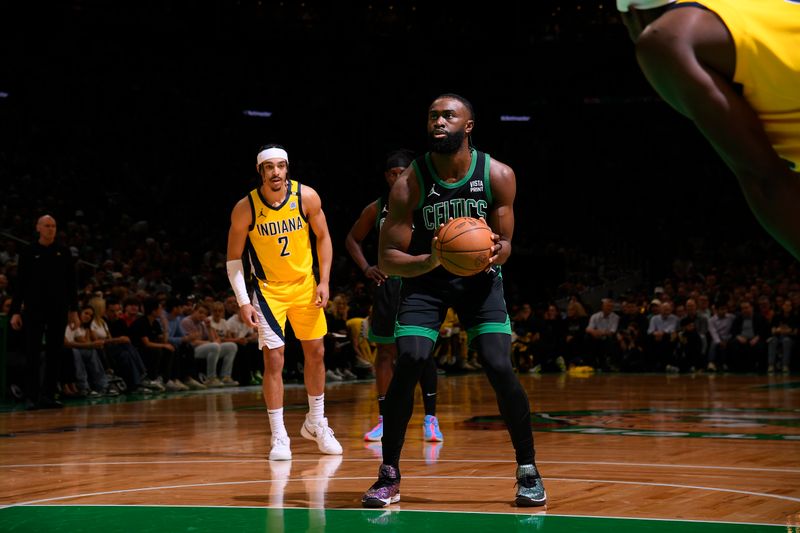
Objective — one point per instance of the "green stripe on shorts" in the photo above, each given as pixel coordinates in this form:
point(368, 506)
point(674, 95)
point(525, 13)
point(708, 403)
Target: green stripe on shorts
point(377, 339)
point(489, 327)
point(415, 331)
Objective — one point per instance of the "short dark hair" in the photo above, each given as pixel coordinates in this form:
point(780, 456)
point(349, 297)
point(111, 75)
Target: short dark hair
point(268, 146)
point(131, 300)
point(150, 304)
point(172, 302)
point(461, 99)
point(398, 158)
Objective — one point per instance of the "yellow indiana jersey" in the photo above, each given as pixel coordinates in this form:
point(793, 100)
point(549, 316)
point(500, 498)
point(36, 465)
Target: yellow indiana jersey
point(278, 243)
point(767, 38)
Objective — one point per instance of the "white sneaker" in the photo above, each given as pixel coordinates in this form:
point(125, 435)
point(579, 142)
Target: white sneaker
point(321, 433)
point(280, 450)
point(173, 386)
point(193, 384)
point(213, 383)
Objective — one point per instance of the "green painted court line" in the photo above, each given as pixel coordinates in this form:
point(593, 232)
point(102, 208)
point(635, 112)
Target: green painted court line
point(146, 519)
point(786, 385)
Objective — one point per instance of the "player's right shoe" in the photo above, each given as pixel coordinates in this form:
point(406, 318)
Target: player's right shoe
point(323, 435)
point(385, 491)
point(430, 429)
point(375, 434)
point(280, 450)
point(530, 490)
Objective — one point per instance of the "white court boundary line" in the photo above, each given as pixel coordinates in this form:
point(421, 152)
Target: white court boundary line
point(372, 460)
point(350, 478)
point(443, 511)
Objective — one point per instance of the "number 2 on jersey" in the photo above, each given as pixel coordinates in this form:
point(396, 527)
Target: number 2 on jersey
point(284, 240)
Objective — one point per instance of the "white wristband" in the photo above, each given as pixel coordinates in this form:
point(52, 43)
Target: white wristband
point(236, 277)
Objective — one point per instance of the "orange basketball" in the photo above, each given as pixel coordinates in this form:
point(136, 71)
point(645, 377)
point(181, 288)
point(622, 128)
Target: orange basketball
point(464, 246)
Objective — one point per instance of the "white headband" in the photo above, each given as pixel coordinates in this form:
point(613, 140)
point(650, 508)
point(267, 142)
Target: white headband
point(271, 153)
point(623, 5)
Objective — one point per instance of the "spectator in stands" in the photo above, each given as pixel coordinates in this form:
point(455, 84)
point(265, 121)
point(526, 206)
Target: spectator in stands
point(118, 329)
point(574, 332)
point(523, 336)
point(719, 328)
point(90, 374)
point(123, 357)
point(602, 337)
point(794, 297)
point(784, 328)
point(9, 254)
point(662, 333)
point(693, 338)
point(358, 329)
point(131, 310)
point(653, 309)
point(765, 308)
point(218, 323)
point(748, 347)
point(339, 353)
point(231, 306)
point(148, 336)
point(249, 356)
point(171, 318)
point(704, 306)
point(207, 346)
point(547, 350)
point(630, 336)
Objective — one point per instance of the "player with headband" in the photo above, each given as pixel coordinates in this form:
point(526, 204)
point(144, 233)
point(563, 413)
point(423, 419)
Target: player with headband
point(269, 233)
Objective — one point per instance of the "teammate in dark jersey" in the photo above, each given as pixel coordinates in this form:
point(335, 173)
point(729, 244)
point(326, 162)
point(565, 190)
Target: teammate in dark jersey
point(385, 299)
point(451, 180)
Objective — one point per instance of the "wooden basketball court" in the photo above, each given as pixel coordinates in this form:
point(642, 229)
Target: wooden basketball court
point(617, 452)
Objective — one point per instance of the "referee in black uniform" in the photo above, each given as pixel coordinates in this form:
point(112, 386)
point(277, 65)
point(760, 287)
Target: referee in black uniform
point(44, 300)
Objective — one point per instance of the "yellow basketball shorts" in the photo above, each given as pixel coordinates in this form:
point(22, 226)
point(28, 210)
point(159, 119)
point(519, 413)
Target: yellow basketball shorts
point(275, 301)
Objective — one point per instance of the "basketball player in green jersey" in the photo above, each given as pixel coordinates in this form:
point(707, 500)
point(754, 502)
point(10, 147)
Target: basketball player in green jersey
point(270, 229)
point(451, 180)
point(733, 68)
point(385, 299)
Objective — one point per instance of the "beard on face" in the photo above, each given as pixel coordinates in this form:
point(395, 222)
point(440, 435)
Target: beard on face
point(446, 145)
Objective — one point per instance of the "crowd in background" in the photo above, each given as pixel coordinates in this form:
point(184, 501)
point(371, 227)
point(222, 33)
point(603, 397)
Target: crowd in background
point(153, 319)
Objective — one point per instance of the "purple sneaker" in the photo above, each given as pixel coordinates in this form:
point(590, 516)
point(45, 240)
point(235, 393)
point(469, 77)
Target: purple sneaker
point(384, 491)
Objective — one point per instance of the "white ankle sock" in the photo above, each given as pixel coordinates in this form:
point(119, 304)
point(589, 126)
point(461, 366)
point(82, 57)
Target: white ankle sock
point(276, 421)
point(316, 408)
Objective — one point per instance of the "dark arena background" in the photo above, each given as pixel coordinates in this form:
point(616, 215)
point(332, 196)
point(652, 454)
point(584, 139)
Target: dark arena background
point(136, 125)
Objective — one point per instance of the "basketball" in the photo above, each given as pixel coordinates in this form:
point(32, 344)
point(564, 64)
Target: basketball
point(464, 246)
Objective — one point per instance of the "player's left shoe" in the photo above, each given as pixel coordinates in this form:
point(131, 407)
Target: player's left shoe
point(323, 435)
point(385, 491)
point(530, 489)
